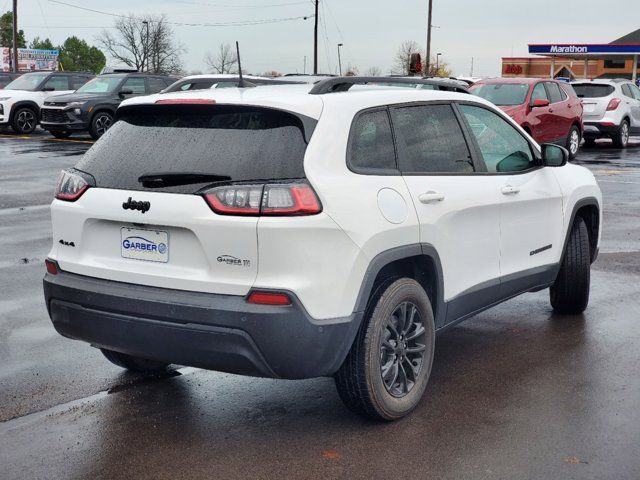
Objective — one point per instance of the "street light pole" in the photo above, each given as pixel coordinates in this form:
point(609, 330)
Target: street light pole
point(428, 59)
point(146, 45)
point(339, 59)
point(15, 36)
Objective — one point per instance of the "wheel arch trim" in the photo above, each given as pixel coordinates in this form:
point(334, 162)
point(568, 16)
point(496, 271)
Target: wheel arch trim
point(25, 103)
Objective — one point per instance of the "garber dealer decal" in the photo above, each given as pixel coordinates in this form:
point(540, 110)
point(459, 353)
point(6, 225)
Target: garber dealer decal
point(142, 244)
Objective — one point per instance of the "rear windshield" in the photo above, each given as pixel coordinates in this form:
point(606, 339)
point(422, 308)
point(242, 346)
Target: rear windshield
point(591, 90)
point(244, 143)
point(503, 94)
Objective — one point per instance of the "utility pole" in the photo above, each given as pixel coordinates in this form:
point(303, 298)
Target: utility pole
point(146, 46)
point(428, 59)
point(15, 36)
point(304, 66)
point(315, 41)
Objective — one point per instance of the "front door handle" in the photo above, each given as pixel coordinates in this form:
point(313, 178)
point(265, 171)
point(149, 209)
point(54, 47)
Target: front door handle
point(509, 190)
point(431, 197)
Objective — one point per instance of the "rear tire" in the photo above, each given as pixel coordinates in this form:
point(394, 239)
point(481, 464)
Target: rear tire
point(60, 134)
point(621, 137)
point(134, 364)
point(570, 292)
point(387, 369)
point(573, 142)
point(100, 123)
point(24, 121)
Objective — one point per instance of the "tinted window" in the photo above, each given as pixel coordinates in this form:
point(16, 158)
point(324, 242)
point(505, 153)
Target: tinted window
point(626, 91)
point(57, 82)
point(244, 143)
point(101, 84)
point(592, 90)
point(555, 95)
point(371, 143)
point(503, 148)
point(156, 84)
point(200, 85)
point(503, 93)
point(539, 92)
point(135, 84)
point(430, 140)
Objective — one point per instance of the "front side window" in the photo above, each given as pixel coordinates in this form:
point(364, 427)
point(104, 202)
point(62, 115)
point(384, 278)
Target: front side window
point(155, 85)
point(539, 93)
point(503, 148)
point(102, 84)
point(57, 83)
point(371, 143)
point(430, 140)
point(626, 91)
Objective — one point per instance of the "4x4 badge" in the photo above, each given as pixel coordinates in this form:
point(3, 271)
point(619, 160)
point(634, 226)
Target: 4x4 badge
point(133, 205)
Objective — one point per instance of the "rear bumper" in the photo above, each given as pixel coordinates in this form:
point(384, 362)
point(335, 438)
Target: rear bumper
point(216, 332)
point(597, 129)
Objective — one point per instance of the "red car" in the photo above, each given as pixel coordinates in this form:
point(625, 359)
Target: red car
point(549, 110)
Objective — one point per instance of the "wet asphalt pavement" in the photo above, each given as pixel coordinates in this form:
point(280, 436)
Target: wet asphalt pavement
point(516, 392)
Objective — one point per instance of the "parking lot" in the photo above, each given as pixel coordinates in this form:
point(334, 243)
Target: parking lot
point(516, 392)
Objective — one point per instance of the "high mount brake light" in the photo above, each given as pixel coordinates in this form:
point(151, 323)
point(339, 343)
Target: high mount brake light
point(286, 199)
point(70, 186)
point(613, 104)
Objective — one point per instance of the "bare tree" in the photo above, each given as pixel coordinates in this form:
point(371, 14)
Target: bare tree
point(352, 70)
point(373, 72)
point(145, 43)
point(222, 61)
point(403, 56)
point(272, 74)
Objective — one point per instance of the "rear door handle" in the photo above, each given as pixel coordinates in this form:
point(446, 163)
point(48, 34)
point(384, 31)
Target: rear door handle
point(510, 190)
point(431, 197)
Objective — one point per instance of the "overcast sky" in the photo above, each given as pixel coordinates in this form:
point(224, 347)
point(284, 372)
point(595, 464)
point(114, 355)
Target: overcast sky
point(371, 30)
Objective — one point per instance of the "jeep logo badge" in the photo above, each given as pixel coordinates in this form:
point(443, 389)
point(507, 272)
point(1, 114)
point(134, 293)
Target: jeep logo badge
point(133, 205)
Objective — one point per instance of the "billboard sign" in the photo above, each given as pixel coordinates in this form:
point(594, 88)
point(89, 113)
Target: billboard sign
point(30, 59)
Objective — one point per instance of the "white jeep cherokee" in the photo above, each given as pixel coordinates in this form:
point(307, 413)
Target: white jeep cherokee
point(293, 233)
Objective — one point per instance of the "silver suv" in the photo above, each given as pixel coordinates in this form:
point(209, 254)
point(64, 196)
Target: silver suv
point(611, 109)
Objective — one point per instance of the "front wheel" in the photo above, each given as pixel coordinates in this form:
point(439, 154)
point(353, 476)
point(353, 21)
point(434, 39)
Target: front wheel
point(621, 137)
point(570, 292)
point(100, 124)
point(24, 120)
point(573, 142)
point(388, 366)
point(134, 364)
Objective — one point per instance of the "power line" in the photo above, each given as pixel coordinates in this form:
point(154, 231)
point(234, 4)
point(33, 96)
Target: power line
point(243, 23)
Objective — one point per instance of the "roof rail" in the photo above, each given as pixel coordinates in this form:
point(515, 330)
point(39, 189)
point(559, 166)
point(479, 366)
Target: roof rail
point(343, 84)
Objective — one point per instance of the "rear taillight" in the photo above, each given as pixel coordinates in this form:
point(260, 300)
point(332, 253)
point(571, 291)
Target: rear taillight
point(268, 298)
point(70, 186)
point(270, 199)
point(613, 104)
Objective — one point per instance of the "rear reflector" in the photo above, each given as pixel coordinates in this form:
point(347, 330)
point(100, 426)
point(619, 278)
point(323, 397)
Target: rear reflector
point(268, 298)
point(185, 101)
point(52, 266)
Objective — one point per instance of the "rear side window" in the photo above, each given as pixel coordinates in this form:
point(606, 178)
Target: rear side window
point(199, 85)
point(626, 90)
point(371, 148)
point(555, 94)
point(592, 90)
point(135, 84)
point(78, 81)
point(430, 140)
point(244, 143)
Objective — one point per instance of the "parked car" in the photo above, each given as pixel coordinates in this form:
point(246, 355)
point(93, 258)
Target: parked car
point(200, 82)
point(611, 109)
point(293, 232)
point(22, 99)
point(92, 107)
point(548, 110)
point(6, 78)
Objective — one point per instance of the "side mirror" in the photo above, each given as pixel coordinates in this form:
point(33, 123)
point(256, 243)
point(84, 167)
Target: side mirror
point(125, 91)
point(554, 155)
point(48, 89)
point(540, 102)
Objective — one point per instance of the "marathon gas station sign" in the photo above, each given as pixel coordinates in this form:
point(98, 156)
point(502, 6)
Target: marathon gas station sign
point(584, 49)
point(30, 59)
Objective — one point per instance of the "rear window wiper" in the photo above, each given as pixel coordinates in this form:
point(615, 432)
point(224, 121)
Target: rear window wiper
point(160, 180)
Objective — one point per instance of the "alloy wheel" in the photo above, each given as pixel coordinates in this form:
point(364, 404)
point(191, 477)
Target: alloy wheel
point(103, 122)
point(402, 350)
point(26, 120)
point(624, 133)
point(574, 142)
